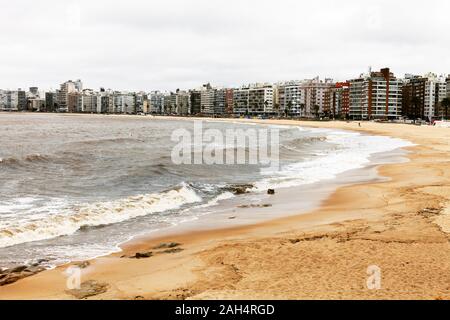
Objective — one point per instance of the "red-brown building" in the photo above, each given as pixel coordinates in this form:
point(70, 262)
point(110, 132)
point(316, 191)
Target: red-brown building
point(229, 101)
point(337, 100)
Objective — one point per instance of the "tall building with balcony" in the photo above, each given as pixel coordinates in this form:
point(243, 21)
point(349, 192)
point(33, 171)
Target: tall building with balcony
point(291, 99)
point(422, 96)
point(376, 95)
point(219, 101)
point(124, 103)
point(255, 99)
point(141, 102)
point(229, 101)
point(207, 95)
point(89, 101)
point(448, 86)
point(195, 101)
point(51, 101)
point(66, 88)
point(337, 102)
point(156, 102)
point(240, 101)
point(315, 90)
point(212, 100)
point(183, 103)
point(74, 102)
point(13, 100)
point(260, 99)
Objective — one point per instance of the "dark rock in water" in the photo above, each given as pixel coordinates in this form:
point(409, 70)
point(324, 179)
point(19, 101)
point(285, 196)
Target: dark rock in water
point(271, 191)
point(12, 275)
point(33, 269)
point(88, 289)
point(17, 269)
point(237, 189)
point(167, 245)
point(10, 278)
point(42, 261)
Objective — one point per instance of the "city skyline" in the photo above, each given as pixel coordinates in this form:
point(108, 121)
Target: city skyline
point(374, 94)
point(171, 45)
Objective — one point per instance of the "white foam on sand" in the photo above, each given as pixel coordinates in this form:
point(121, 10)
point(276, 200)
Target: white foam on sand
point(353, 150)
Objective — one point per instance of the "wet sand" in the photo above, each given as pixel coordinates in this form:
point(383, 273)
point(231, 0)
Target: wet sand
point(399, 224)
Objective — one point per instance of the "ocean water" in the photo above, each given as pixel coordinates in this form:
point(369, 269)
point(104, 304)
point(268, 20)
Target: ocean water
point(74, 187)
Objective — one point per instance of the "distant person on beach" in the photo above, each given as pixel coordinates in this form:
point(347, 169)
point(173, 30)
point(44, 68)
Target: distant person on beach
point(359, 124)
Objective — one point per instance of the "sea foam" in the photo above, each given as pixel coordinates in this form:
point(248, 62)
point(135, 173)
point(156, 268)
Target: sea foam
point(92, 215)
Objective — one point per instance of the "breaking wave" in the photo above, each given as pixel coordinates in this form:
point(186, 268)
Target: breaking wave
point(94, 215)
point(27, 159)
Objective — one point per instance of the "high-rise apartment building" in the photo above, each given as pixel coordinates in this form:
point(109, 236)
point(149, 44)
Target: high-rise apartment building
point(337, 100)
point(422, 96)
point(124, 103)
point(13, 100)
point(51, 101)
point(240, 101)
point(254, 99)
point(291, 99)
point(448, 86)
point(183, 103)
point(229, 101)
point(66, 88)
point(195, 101)
point(260, 99)
point(156, 102)
point(207, 99)
point(376, 95)
point(212, 100)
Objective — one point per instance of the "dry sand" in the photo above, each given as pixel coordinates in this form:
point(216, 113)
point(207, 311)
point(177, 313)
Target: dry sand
point(401, 225)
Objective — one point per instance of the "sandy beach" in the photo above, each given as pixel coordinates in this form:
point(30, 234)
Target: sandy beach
point(401, 225)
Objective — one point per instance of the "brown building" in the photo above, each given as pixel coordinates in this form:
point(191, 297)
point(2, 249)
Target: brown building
point(73, 102)
point(422, 96)
point(413, 98)
point(229, 101)
point(337, 101)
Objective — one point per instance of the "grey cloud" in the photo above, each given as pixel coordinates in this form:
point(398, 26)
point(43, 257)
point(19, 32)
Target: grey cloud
point(146, 45)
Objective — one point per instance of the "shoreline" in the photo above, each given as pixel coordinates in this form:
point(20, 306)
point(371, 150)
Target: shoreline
point(194, 262)
point(232, 212)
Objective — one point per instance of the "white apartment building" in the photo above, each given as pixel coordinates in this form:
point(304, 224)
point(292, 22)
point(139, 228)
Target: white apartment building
point(240, 101)
point(256, 99)
point(207, 95)
point(291, 99)
point(124, 103)
point(183, 103)
point(315, 91)
point(156, 102)
point(435, 92)
point(13, 100)
point(260, 99)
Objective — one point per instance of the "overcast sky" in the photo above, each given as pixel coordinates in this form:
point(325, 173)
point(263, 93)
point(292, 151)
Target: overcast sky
point(148, 45)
